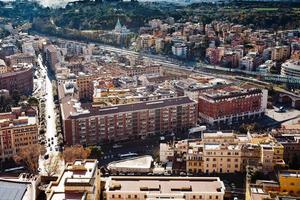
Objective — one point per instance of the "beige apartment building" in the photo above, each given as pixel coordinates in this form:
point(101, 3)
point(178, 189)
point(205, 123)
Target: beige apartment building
point(221, 158)
point(150, 188)
point(280, 53)
point(194, 158)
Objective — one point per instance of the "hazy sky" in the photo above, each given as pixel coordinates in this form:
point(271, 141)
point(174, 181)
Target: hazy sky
point(54, 3)
point(51, 3)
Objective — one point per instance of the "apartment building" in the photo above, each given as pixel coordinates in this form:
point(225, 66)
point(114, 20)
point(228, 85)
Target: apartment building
point(231, 105)
point(139, 70)
point(221, 158)
point(93, 125)
point(79, 180)
point(51, 56)
point(214, 55)
point(280, 53)
point(21, 58)
point(225, 153)
point(271, 151)
point(180, 50)
point(85, 85)
point(250, 156)
point(18, 129)
point(291, 144)
point(135, 187)
point(3, 67)
point(105, 96)
point(194, 157)
point(290, 182)
point(19, 78)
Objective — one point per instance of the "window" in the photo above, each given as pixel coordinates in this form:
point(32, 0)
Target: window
point(217, 197)
point(210, 197)
point(129, 196)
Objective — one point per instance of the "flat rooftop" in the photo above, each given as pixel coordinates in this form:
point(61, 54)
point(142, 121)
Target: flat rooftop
point(230, 92)
point(136, 162)
point(217, 146)
point(165, 185)
point(80, 173)
point(295, 174)
point(218, 134)
point(69, 110)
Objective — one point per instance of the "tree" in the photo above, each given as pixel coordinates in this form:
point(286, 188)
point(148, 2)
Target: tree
point(16, 97)
point(33, 101)
point(95, 152)
point(5, 103)
point(51, 166)
point(76, 152)
point(29, 156)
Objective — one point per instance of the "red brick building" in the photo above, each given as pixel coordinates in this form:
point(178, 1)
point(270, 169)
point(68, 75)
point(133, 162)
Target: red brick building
point(95, 125)
point(231, 104)
point(20, 79)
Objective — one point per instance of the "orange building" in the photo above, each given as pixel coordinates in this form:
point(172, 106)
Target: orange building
point(18, 130)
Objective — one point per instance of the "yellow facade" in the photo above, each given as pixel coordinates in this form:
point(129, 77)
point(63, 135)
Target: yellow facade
point(290, 182)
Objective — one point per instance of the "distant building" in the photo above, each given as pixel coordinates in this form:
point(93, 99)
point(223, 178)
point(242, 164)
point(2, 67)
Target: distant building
point(206, 188)
point(121, 33)
point(119, 29)
point(79, 180)
point(3, 67)
point(145, 42)
point(214, 55)
point(180, 50)
point(51, 56)
point(246, 63)
point(280, 53)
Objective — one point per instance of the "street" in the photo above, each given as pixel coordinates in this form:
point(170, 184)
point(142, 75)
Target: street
point(44, 91)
